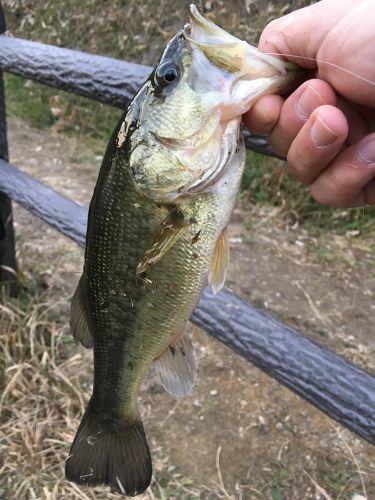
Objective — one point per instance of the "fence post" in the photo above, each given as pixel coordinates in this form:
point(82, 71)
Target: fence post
point(8, 264)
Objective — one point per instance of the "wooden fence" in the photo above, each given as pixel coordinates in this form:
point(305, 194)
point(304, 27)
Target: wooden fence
point(329, 382)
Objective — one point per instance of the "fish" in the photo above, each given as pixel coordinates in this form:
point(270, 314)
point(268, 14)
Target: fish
point(157, 232)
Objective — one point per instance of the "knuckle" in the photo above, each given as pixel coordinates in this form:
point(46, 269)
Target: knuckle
point(294, 170)
point(297, 168)
point(330, 197)
point(320, 196)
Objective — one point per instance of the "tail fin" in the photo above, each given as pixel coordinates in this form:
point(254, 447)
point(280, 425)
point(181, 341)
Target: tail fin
point(112, 453)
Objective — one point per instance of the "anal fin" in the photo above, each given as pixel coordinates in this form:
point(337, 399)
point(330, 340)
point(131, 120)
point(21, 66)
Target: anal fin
point(79, 324)
point(219, 263)
point(176, 367)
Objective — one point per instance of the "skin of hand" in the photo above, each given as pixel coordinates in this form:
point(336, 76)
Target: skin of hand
point(326, 127)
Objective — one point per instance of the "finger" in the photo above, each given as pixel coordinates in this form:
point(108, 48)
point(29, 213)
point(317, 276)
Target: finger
point(358, 125)
point(264, 114)
point(296, 111)
point(349, 180)
point(318, 142)
point(367, 195)
point(302, 32)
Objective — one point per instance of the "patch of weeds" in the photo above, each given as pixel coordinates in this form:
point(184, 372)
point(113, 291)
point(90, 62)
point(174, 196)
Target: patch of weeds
point(42, 107)
point(168, 483)
point(340, 479)
point(28, 100)
point(277, 482)
point(84, 117)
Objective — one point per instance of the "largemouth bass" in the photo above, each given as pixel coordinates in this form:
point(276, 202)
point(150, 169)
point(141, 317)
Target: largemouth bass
point(156, 232)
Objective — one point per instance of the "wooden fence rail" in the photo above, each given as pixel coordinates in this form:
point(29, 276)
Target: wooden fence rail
point(323, 378)
point(102, 79)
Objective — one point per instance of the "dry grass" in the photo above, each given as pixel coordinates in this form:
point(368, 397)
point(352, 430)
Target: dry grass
point(45, 382)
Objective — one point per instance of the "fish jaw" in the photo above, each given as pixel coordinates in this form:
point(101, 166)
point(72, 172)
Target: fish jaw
point(233, 73)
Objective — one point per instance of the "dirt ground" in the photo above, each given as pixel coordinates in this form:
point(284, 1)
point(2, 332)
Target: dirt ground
point(240, 434)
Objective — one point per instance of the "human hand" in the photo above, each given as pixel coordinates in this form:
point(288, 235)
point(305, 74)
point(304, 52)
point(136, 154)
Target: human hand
point(324, 127)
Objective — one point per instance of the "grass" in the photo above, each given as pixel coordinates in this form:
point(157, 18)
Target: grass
point(29, 101)
point(43, 107)
point(45, 384)
point(266, 181)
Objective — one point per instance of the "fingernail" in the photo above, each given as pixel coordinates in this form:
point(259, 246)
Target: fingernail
point(366, 150)
point(308, 101)
point(321, 135)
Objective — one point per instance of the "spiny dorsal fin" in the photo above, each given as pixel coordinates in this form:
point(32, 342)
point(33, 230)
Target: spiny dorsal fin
point(78, 316)
point(176, 367)
point(163, 238)
point(219, 263)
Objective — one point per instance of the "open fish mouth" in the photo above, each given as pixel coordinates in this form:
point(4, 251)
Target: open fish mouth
point(229, 52)
point(233, 67)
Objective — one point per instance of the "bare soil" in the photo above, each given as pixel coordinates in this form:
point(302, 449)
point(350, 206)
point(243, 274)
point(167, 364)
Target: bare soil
point(240, 434)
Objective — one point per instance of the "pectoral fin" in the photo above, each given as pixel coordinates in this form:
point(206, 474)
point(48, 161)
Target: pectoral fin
point(163, 238)
point(220, 262)
point(78, 317)
point(177, 369)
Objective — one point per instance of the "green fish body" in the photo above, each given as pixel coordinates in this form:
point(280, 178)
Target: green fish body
point(156, 233)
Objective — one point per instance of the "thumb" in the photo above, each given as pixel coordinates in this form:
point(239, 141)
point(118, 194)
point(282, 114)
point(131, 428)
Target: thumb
point(299, 35)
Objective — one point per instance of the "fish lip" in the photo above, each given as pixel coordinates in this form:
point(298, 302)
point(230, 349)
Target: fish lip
point(174, 47)
point(206, 36)
point(208, 29)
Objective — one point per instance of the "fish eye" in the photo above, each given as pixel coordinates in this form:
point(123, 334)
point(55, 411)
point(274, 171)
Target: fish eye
point(167, 74)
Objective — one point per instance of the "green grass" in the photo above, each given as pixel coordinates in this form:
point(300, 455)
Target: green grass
point(266, 181)
point(34, 103)
point(29, 101)
point(277, 483)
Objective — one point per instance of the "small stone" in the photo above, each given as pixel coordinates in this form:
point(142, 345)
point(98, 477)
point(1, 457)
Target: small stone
point(262, 420)
point(214, 392)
